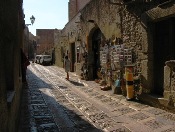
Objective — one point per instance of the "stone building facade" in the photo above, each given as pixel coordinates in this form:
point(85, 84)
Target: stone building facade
point(148, 30)
point(32, 49)
point(45, 40)
point(109, 36)
point(30, 45)
point(58, 55)
point(68, 35)
point(75, 6)
point(11, 31)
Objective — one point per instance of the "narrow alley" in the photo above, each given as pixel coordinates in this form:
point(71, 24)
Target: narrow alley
point(50, 103)
point(120, 55)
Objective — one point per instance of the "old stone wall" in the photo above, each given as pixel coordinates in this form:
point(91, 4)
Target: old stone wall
point(144, 18)
point(45, 39)
point(169, 82)
point(58, 53)
point(81, 4)
point(106, 16)
point(72, 9)
point(11, 31)
point(134, 36)
point(75, 6)
point(133, 25)
point(68, 36)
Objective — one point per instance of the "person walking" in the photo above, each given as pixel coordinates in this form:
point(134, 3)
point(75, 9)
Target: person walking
point(67, 66)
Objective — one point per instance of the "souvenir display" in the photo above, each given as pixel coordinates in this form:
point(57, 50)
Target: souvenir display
point(113, 60)
point(103, 57)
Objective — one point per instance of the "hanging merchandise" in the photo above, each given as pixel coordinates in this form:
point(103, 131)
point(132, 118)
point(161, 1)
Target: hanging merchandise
point(127, 56)
point(121, 55)
point(103, 54)
point(84, 67)
point(103, 57)
point(113, 67)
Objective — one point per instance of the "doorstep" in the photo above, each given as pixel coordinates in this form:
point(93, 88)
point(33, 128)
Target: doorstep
point(155, 101)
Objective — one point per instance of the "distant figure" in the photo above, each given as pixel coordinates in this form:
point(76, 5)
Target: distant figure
point(24, 63)
point(67, 66)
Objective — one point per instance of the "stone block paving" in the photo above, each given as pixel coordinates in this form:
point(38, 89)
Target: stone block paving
point(47, 109)
point(56, 104)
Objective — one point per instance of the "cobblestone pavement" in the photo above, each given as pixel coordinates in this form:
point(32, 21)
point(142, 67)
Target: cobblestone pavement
point(53, 104)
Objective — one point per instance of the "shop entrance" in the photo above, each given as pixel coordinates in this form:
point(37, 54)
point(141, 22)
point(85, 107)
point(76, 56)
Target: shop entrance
point(96, 40)
point(164, 50)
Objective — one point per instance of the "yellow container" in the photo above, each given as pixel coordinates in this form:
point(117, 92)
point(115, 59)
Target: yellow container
point(129, 77)
point(129, 86)
point(130, 91)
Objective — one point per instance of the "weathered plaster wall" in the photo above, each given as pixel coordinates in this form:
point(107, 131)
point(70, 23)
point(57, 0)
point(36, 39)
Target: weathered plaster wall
point(11, 29)
point(67, 37)
point(75, 6)
point(58, 53)
point(135, 37)
point(106, 16)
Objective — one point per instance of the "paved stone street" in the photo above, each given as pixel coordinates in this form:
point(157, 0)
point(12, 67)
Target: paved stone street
point(53, 104)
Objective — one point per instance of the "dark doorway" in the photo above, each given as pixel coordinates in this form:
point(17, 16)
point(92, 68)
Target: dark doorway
point(53, 56)
point(164, 50)
point(96, 40)
point(72, 57)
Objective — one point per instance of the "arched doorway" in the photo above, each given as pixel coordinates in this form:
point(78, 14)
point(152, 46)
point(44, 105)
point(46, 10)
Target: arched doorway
point(94, 53)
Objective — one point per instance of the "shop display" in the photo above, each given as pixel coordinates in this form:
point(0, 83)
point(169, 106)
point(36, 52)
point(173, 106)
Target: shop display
point(114, 58)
